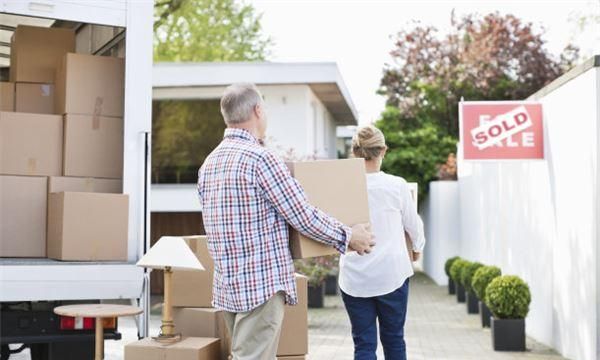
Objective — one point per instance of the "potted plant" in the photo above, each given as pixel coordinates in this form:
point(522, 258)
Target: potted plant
point(316, 270)
point(481, 279)
point(508, 298)
point(455, 271)
point(451, 284)
point(466, 276)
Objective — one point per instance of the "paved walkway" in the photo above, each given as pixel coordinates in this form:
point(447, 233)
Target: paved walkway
point(437, 328)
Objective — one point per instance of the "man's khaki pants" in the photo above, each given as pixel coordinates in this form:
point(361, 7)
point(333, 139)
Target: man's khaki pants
point(255, 334)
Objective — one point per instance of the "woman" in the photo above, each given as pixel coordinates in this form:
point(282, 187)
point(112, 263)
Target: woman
point(375, 287)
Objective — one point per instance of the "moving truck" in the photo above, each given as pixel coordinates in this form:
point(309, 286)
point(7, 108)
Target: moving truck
point(30, 288)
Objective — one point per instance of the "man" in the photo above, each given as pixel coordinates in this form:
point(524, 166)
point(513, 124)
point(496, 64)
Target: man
point(248, 198)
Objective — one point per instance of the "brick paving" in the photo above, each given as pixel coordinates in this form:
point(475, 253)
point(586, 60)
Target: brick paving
point(437, 328)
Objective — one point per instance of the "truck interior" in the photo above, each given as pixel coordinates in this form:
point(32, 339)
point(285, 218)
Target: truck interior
point(31, 325)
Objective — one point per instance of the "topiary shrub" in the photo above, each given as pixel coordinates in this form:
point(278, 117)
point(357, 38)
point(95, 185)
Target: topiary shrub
point(449, 263)
point(482, 278)
point(467, 274)
point(508, 297)
point(456, 269)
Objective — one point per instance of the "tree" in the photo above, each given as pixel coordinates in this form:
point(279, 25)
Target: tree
point(494, 57)
point(207, 30)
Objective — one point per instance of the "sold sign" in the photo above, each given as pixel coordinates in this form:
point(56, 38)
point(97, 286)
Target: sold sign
point(501, 130)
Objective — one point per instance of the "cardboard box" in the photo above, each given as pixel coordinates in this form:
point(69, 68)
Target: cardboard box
point(203, 322)
point(23, 216)
point(297, 357)
point(36, 52)
point(30, 144)
point(209, 322)
point(339, 188)
point(7, 96)
point(191, 348)
point(87, 226)
point(194, 288)
point(294, 330)
point(91, 85)
point(93, 146)
point(79, 184)
point(34, 98)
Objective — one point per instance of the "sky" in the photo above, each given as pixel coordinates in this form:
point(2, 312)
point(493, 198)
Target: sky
point(357, 34)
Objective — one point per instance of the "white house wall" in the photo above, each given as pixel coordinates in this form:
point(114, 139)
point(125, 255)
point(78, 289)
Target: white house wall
point(323, 142)
point(536, 219)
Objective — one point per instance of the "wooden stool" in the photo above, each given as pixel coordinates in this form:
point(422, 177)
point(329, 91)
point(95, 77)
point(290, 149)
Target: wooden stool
point(98, 311)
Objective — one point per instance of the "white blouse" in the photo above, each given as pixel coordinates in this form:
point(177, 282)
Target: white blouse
point(388, 265)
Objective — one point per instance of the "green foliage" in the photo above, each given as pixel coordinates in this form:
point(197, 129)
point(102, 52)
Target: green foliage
point(491, 57)
point(466, 275)
point(317, 269)
point(449, 263)
point(456, 269)
point(508, 297)
point(184, 132)
point(207, 30)
point(415, 154)
point(482, 278)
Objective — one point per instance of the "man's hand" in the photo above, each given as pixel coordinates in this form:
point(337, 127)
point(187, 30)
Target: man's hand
point(362, 239)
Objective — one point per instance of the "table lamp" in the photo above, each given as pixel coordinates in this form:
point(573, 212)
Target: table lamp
point(169, 253)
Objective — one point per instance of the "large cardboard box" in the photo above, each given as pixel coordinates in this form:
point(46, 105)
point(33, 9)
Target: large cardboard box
point(93, 146)
point(30, 144)
point(294, 330)
point(34, 98)
point(36, 52)
point(209, 322)
point(79, 184)
point(339, 188)
point(91, 85)
point(194, 288)
point(191, 348)
point(87, 226)
point(23, 216)
point(203, 322)
point(7, 96)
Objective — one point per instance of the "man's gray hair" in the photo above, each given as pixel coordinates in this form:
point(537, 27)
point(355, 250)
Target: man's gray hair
point(238, 102)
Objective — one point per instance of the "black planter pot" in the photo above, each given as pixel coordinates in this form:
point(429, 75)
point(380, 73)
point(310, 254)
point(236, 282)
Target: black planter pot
point(508, 334)
point(460, 293)
point(316, 296)
point(331, 285)
point(472, 303)
point(486, 314)
point(451, 286)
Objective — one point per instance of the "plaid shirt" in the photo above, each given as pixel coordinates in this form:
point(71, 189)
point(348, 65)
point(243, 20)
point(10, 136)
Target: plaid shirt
point(248, 197)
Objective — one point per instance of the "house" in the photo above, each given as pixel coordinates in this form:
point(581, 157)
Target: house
point(306, 103)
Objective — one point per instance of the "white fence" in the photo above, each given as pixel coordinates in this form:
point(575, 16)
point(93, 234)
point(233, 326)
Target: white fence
point(537, 219)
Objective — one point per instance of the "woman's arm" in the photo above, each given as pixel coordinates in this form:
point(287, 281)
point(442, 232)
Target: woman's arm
point(413, 225)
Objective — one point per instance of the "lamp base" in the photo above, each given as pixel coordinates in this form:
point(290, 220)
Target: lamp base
point(167, 339)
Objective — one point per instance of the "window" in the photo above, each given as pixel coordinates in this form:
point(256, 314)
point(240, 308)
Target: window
point(184, 132)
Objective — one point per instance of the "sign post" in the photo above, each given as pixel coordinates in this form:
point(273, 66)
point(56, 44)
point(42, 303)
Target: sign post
point(501, 130)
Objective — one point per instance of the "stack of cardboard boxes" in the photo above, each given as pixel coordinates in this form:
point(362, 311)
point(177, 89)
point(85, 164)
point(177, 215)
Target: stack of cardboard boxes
point(61, 151)
point(194, 316)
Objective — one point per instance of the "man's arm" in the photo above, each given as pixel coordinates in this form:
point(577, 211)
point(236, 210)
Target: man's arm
point(288, 197)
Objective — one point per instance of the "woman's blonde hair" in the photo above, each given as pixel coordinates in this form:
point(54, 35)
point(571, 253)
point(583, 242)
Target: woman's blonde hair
point(368, 142)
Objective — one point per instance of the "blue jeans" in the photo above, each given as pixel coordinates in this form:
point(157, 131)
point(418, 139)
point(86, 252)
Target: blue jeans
point(390, 310)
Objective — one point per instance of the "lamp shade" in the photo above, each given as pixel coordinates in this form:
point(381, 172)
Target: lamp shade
point(173, 252)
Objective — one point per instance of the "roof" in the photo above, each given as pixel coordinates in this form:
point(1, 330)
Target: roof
point(323, 78)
